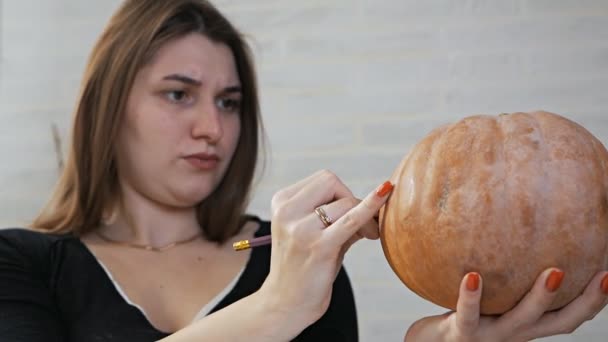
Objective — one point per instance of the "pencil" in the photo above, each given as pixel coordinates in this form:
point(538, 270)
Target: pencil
point(255, 242)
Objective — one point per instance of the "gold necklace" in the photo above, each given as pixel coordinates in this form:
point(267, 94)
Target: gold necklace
point(147, 247)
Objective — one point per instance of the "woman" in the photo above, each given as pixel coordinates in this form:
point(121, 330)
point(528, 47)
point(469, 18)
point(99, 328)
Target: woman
point(135, 243)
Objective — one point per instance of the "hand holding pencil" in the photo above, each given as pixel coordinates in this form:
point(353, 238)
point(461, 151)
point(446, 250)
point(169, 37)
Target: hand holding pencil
point(314, 222)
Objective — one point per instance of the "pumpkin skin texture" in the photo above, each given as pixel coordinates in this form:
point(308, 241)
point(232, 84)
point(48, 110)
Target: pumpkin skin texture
point(506, 196)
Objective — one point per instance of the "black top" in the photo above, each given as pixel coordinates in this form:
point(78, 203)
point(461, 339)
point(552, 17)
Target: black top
point(53, 289)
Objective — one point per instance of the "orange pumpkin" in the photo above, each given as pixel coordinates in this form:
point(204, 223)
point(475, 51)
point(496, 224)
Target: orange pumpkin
point(506, 196)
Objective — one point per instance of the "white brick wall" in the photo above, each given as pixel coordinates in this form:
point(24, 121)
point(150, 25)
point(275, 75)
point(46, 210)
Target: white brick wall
point(348, 85)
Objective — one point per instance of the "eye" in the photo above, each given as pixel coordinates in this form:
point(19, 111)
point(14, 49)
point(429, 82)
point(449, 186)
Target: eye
point(229, 104)
point(177, 96)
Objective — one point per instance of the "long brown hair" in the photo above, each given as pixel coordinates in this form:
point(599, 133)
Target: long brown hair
point(88, 185)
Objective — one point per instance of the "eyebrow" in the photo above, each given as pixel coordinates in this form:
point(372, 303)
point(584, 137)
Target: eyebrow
point(183, 79)
point(191, 81)
point(233, 89)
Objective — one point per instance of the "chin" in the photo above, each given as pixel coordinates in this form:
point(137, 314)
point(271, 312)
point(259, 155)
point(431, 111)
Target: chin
point(191, 191)
point(185, 202)
point(193, 196)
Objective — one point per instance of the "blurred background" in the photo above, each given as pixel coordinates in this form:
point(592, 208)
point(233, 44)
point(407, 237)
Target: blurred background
point(346, 85)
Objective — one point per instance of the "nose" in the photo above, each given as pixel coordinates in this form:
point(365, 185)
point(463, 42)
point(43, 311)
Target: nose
point(207, 124)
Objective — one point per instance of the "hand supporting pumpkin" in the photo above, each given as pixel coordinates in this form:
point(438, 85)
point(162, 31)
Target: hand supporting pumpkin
point(527, 321)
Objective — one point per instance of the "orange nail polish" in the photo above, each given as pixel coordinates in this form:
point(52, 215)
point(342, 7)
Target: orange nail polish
point(554, 280)
point(604, 285)
point(384, 189)
point(472, 281)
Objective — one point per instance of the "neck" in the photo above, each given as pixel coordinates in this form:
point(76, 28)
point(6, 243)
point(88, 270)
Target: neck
point(141, 221)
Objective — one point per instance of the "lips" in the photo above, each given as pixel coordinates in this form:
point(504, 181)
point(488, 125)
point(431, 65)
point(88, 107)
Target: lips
point(203, 161)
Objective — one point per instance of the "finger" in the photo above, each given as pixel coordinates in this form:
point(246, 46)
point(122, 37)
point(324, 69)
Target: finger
point(467, 308)
point(356, 237)
point(564, 321)
point(355, 219)
point(534, 304)
point(324, 188)
point(335, 210)
point(292, 189)
point(350, 242)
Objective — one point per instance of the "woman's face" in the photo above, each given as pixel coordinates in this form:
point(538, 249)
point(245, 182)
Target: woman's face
point(182, 123)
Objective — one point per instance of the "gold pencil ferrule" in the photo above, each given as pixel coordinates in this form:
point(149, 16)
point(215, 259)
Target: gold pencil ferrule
point(241, 245)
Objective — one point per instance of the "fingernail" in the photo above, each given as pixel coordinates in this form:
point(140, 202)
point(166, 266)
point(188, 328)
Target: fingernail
point(604, 285)
point(472, 281)
point(554, 280)
point(384, 189)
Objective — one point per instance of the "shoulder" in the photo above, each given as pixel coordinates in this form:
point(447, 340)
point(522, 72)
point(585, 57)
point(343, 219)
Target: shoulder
point(27, 245)
point(24, 238)
point(28, 304)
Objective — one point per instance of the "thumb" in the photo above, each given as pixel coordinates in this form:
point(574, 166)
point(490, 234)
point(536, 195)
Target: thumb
point(467, 308)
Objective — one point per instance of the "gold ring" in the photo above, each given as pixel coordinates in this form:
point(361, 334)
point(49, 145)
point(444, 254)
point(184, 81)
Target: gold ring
point(327, 221)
